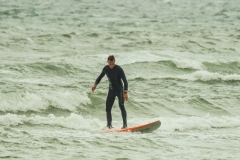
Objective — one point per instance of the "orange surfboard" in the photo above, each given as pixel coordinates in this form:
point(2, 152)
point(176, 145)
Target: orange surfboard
point(144, 128)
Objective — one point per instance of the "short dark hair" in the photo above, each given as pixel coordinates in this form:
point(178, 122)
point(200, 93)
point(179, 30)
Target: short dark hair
point(111, 58)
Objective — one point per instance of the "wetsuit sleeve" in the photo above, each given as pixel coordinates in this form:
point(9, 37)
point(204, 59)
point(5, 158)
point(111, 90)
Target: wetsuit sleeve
point(124, 79)
point(100, 77)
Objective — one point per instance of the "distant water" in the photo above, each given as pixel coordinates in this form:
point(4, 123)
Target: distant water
point(181, 59)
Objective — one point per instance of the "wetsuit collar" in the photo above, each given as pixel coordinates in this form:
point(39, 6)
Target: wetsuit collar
point(113, 67)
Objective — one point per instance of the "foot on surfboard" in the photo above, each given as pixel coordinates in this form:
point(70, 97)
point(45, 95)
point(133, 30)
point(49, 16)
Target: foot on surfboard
point(109, 126)
point(124, 126)
point(144, 128)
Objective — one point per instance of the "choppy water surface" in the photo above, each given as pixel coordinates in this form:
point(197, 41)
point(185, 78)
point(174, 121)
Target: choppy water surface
point(181, 59)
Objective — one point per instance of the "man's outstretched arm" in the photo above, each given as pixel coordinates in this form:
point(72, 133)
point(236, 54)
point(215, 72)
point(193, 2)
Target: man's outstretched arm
point(98, 80)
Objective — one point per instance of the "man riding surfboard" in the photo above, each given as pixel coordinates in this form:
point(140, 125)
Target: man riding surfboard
point(115, 76)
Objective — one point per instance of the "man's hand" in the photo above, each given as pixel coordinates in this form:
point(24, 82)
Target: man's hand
point(125, 96)
point(94, 87)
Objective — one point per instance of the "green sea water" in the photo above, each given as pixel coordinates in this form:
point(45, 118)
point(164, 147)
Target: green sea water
point(181, 59)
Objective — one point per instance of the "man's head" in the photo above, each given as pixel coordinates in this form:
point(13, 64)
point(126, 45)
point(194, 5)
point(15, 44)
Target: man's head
point(111, 61)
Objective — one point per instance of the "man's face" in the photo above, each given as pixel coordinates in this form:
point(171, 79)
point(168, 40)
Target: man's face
point(111, 64)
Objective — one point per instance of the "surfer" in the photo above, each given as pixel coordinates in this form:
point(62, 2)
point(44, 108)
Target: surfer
point(115, 75)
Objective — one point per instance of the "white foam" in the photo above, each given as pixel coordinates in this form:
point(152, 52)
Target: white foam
point(183, 63)
point(21, 102)
point(73, 121)
point(208, 76)
point(26, 101)
point(168, 124)
point(11, 120)
point(198, 75)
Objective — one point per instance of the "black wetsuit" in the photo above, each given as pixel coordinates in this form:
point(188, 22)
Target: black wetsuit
point(115, 77)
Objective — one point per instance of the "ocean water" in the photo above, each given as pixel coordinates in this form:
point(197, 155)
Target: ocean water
point(181, 59)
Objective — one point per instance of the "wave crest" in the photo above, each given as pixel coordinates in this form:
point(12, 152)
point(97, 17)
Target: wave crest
point(208, 76)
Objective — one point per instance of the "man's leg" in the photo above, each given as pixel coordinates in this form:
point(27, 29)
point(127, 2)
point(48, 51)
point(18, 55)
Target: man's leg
point(109, 103)
point(123, 110)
